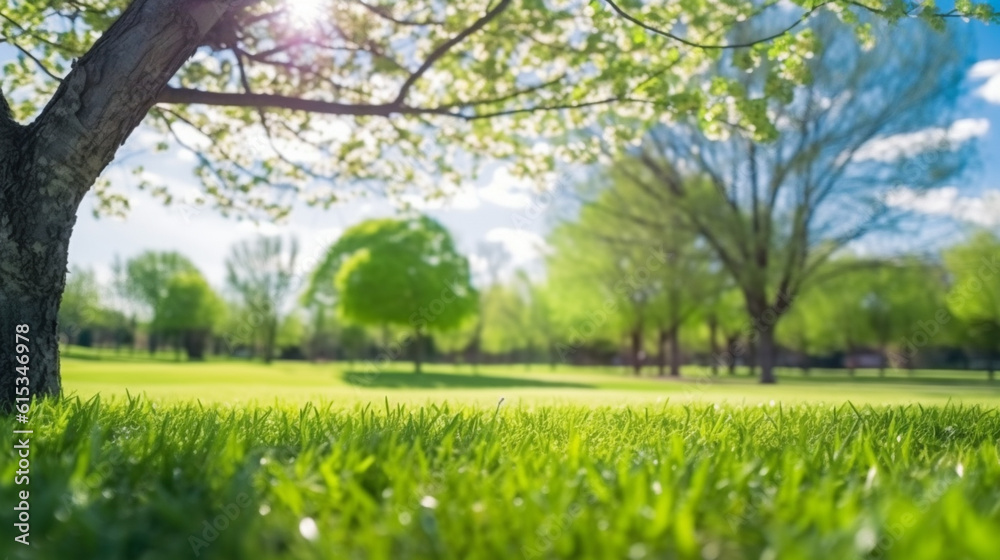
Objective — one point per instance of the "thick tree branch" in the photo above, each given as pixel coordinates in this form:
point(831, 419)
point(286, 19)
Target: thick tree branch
point(260, 100)
point(172, 95)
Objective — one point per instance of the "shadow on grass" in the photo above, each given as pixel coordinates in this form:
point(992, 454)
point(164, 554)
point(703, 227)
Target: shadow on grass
point(922, 379)
point(431, 380)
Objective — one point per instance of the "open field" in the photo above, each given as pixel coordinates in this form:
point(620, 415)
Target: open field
point(346, 384)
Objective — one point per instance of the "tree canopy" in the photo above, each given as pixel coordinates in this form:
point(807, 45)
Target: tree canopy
point(402, 272)
point(296, 93)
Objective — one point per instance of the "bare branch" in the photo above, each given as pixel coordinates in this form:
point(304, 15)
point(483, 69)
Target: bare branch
point(806, 15)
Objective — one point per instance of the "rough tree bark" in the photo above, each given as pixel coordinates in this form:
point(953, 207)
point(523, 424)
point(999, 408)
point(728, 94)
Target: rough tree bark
point(46, 167)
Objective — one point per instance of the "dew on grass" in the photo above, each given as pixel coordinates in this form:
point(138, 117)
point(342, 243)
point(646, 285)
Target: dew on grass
point(308, 529)
point(711, 551)
point(865, 539)
point(429, 502)
point(870, 479)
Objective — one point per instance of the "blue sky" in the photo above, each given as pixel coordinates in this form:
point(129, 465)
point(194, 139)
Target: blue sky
point(492, 208)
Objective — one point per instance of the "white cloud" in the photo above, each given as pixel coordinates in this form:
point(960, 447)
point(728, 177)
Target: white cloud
point(985, 69)
point(988, 70)
point(503, 190)
point(891, 148)
point(479, 266)
point(506, 190)
point(982, 210)
point(462, 199)
point(524, 247)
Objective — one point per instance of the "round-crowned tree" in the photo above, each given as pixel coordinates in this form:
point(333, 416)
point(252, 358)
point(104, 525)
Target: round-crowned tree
point(188, 311)
point(400, 272)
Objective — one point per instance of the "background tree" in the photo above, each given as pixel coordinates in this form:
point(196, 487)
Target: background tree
point(504, 332)
point(543, 324)
point(262, 273)
point(323, 330)
point(801, 329)
point(147, 277)
point(682, 279)
point(726, 318)
point(291, 338)
point(81, 304)
point(774, 212)
point(189, 311)
point(455, 342)
point(399, 272)
point(974, 297)
point(896, 296)
point(606, 282)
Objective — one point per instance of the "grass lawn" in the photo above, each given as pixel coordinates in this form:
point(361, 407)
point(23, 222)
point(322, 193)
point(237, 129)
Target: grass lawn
point(346, 384)
point(299, 461)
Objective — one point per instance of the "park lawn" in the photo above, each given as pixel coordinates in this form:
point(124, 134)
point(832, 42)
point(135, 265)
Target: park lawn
point(346, 384)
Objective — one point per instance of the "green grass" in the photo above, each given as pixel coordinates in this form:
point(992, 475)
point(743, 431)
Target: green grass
point(348, 384)
point(299, 461)
point(134, 479)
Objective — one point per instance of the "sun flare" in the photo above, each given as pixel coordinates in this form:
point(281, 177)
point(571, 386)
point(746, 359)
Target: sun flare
point(304, 14)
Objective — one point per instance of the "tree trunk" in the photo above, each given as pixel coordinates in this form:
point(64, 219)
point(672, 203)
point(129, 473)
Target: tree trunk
point(675, 353)
point(46, 168)
point(270, 336)
point(418, 351)
point(637, 351)
point(713, 346)
point(731, 347)
point(194, 344)
point(30, 310)
point(766, 353)
point(661, 355)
